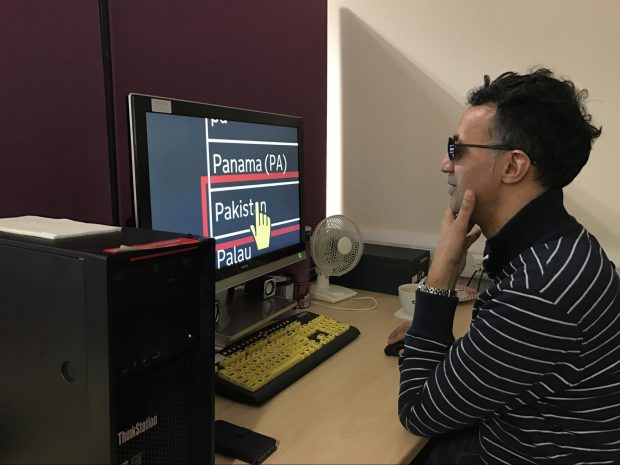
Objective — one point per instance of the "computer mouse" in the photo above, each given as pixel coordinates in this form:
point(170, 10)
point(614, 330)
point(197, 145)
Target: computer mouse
point(393, 350)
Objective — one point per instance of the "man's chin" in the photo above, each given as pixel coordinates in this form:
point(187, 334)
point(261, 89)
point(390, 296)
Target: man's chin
point(455, 206)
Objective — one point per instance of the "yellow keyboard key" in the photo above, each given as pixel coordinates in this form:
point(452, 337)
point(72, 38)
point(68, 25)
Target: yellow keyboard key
point(268, 355)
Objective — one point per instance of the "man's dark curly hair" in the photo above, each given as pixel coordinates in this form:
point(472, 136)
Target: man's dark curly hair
point(544, 116)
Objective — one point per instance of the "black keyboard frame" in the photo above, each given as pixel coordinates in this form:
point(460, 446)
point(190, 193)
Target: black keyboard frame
point(275, 386)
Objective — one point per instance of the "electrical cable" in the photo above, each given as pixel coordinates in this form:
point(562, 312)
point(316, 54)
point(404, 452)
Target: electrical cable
point(480, 280)
point(471, 277)
point(349, 309)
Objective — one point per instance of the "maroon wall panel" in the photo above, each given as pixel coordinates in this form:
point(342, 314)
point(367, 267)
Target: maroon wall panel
point(53, 149)
point(267, 55)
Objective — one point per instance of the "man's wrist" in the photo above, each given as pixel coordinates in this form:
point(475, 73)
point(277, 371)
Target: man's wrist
point(442, 273)
point(423, 286)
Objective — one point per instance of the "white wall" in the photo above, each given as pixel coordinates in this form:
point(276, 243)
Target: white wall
point(398, 73)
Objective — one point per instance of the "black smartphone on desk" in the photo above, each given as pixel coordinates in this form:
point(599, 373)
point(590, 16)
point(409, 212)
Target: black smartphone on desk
point(241, 443)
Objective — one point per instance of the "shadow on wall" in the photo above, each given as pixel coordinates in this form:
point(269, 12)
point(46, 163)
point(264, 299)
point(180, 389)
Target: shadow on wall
point(589, 210)
point(395, 122)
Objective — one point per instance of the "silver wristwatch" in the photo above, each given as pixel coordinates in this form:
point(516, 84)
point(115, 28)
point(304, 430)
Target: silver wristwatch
point(423, 287)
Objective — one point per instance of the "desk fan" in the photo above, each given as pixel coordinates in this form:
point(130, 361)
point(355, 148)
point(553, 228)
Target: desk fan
point(336, 246)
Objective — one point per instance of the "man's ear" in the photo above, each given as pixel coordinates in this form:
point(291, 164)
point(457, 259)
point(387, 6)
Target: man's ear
point(516, 167)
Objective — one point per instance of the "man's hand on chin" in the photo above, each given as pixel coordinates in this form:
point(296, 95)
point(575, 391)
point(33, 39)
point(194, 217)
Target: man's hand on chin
point(456, 236)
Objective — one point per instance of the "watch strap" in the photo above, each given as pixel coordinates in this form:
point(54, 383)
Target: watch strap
point(423, 287)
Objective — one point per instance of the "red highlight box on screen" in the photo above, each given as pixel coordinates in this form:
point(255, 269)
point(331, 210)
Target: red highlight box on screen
point(204, 185)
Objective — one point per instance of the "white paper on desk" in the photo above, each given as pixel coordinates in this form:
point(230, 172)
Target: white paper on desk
point(52, 228)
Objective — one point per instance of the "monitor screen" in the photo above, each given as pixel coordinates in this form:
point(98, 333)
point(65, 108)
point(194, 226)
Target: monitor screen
point(227, 173)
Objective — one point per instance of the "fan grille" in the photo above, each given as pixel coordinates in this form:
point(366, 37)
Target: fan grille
point(330, 259)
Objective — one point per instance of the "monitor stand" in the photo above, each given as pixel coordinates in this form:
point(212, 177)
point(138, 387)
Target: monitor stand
point(241, 313)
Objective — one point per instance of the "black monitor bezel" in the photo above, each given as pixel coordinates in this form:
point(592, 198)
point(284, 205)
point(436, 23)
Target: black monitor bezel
point(140, 105)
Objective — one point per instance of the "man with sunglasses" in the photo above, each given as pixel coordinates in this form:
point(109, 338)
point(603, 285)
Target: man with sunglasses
point(537, 377)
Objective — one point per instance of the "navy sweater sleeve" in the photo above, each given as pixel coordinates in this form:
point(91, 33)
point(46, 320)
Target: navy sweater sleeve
point(517, 348)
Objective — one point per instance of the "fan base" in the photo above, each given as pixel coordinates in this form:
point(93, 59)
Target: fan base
point(332, 293)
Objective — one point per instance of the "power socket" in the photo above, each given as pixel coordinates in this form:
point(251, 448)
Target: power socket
point(472, 265)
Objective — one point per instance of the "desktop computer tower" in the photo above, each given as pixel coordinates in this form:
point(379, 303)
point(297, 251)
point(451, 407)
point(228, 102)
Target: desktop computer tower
point(106, 357)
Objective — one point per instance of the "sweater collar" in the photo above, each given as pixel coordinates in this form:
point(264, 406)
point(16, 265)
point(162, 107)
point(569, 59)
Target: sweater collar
point(542, 220)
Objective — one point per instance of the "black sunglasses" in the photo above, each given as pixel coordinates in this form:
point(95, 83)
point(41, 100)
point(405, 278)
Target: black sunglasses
point(453, 144)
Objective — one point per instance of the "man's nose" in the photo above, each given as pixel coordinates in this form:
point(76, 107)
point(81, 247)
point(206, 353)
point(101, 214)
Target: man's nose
point(446, 164)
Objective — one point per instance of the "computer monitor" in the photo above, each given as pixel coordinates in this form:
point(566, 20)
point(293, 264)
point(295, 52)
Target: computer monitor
point(228, 173)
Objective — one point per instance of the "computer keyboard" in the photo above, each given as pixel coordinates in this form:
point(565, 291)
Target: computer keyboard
point(261, 365)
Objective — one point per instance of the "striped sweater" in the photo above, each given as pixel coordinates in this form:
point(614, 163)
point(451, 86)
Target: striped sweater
point(539, 369)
